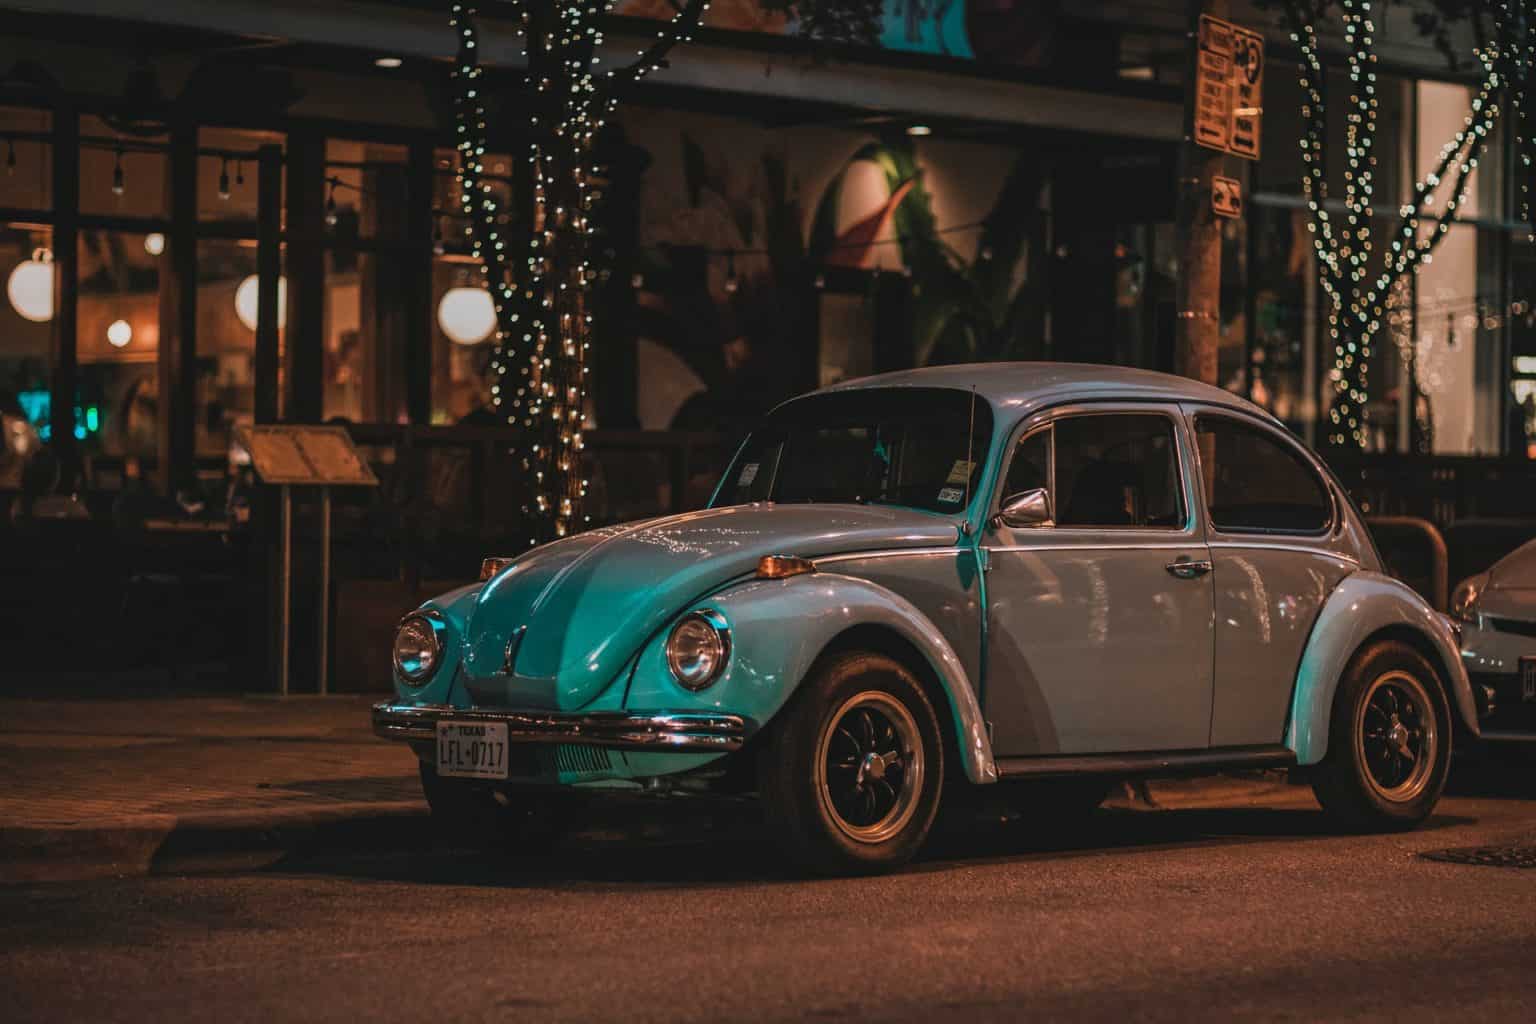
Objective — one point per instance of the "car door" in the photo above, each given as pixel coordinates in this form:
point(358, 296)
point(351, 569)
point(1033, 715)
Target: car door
point(1273, 533)
point(1098, 629)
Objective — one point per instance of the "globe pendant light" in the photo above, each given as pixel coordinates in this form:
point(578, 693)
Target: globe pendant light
point(30, 287)
point(466, 315)
point(247, 295)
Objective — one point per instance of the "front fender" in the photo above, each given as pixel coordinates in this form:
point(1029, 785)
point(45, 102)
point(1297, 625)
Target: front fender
point(780, 627)
point(454, 609)
point(1364, 604)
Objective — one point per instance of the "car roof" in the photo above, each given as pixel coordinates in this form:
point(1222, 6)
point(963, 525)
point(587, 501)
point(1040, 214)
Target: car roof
point(1020, 388)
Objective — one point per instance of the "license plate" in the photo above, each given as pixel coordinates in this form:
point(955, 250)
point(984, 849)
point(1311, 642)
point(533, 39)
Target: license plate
point(1528, 679)
point(472, 750)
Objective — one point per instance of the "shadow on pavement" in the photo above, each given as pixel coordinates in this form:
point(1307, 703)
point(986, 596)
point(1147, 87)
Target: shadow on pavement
point(738, 850)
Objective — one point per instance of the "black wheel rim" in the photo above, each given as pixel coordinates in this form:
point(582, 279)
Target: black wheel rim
point(870, 766)
point(1397, 737)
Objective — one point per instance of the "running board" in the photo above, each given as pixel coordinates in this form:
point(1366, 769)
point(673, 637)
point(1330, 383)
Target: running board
point(1157, 762)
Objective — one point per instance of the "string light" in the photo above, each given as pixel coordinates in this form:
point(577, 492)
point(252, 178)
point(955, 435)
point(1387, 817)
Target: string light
point(539, 268)
point(1356, 282)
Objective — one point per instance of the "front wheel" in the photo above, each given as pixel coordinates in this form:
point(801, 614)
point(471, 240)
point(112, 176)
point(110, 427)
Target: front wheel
point(1389, 742)
point(851, 773)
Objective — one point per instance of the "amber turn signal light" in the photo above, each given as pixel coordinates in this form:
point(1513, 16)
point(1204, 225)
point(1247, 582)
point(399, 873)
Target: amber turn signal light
point(491, 566)
point(778, 567)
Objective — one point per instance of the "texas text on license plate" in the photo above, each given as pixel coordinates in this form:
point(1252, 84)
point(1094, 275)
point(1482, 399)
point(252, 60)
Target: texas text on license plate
point(1528, 679)
point(472, 750)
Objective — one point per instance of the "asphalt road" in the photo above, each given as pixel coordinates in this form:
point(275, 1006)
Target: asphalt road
point(1253, 912)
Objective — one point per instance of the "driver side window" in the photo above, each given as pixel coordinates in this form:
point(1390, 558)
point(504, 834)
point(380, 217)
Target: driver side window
point(1103, 470)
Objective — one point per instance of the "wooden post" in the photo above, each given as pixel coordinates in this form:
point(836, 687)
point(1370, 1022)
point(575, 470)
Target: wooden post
point(1198, 333)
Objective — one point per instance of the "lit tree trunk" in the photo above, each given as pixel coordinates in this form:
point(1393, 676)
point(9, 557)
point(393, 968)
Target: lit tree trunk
point(1356, 274)
point(537, 258)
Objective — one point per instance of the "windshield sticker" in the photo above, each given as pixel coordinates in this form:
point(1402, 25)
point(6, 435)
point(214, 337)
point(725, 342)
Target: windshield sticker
point(959, 473)
point(951, 495)
point(748, 474)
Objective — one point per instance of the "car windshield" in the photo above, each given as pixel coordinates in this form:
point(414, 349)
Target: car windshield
point(892, 446)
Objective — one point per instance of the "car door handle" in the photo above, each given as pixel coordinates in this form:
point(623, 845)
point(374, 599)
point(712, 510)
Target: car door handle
point(1189, 568)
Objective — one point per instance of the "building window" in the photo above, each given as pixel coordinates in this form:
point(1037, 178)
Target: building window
point(117, 342)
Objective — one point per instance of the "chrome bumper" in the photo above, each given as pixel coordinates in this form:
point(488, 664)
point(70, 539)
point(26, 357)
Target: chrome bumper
point(678, 731)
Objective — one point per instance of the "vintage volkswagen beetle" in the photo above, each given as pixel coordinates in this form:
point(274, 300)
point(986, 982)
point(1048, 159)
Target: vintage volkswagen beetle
point(983, 574)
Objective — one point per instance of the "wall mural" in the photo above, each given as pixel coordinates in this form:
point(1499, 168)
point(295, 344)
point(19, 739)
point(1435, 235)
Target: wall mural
point(747, 236)
point(1015, 32)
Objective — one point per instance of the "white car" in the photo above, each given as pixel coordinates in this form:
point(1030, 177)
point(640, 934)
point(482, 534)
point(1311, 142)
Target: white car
point(1497, 610)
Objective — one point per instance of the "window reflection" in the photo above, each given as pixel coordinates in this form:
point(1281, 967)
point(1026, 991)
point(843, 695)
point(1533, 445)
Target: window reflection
point(228, 292)
point(118, 343)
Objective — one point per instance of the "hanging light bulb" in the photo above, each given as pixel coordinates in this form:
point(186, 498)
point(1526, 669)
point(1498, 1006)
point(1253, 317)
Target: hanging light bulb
point(731, 284)
point(224, 179)
point(118, 184)
point(330, 204)
point(239, 173)
point(437, 237)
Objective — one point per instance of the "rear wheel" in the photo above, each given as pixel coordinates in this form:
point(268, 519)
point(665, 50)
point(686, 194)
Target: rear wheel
point(478, 815)
point(1389, 742)
point(851, 773)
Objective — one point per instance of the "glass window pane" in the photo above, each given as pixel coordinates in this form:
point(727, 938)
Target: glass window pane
point(118, 343)
point(365, 190)
point(226, 188)
point(1116, 471)
point(26, 343)
point(461, 359)
point(366, 333)
point(1031, 467)
point(26, 183)
point(121, 175)
point(227, 297)
point(1255, 483)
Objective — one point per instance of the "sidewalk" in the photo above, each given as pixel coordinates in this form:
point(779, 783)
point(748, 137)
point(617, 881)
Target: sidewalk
point(98, 788)
point(103, 788)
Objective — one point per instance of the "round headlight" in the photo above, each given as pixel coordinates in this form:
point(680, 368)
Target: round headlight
point(417, 648)
point(698, 648)
point(1464, 598)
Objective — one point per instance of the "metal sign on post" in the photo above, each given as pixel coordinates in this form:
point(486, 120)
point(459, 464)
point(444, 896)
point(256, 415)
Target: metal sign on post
point(1226, 197)
point(1247, 92)
point(1213, 84)
point(1229, 86)
point(290, 455)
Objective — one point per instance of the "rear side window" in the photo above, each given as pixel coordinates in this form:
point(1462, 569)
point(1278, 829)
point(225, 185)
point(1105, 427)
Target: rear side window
point(1255, 483)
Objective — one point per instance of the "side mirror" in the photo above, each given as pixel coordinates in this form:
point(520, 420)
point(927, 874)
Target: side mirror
point(1025, 509)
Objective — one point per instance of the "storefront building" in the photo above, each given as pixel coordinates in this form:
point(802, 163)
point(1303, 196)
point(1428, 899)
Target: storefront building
point(233, 212)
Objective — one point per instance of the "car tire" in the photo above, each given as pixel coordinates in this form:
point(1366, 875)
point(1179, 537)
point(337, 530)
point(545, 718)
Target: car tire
point(852, 770)
point(472, 813)
point(1389, 741)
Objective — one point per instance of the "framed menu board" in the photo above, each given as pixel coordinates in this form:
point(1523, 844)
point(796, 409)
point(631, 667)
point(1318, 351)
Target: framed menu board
point(321, 456)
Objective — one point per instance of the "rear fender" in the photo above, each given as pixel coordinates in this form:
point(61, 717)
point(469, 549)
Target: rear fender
point(1363, 605)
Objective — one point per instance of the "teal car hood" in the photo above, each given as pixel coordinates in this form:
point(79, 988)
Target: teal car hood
point(587, 603)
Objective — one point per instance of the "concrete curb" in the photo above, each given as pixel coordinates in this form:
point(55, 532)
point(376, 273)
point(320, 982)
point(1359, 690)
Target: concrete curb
point(153, 844)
